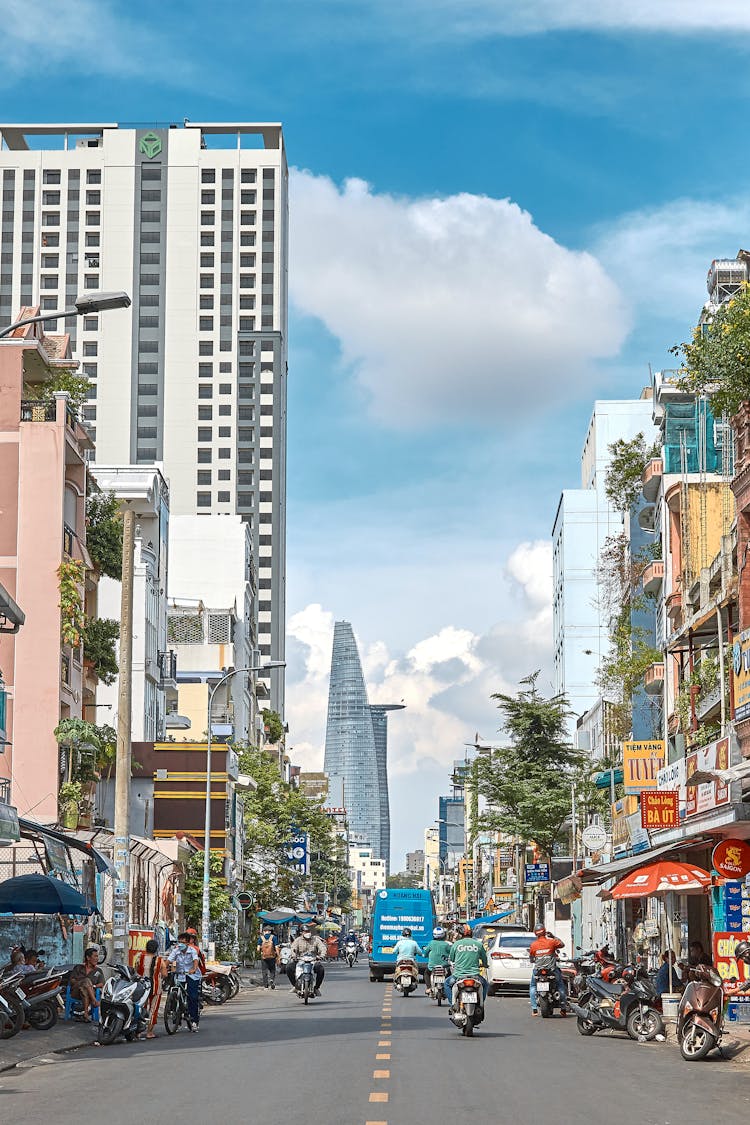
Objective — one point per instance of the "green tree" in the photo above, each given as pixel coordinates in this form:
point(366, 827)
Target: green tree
point(104, 533)
point(62, 379)
point(219, 901)
point(98, 637)
point(628, 459)
point(717, 359)
point(527, 784)
point(273, 724)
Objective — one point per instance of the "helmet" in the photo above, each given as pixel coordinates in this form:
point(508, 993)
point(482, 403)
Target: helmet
point(465, 930)
point(742, 950)
point(540, 930)
point(306, 931)
point(438, 932)
point(406, 932)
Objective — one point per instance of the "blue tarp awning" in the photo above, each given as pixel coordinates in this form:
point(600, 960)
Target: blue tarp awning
point(488, 919)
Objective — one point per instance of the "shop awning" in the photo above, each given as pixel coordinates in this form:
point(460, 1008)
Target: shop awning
point(593, 875)
point(30, 830)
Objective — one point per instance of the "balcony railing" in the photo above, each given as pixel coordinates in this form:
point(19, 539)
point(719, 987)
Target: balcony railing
point(32, 411)
point(652, 476)
point(5, 790)
point(653, 681)
point(653, 576)
point(65, 668)
point(68, 537)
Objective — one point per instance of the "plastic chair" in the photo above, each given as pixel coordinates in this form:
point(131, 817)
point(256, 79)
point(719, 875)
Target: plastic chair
point(72, 1005)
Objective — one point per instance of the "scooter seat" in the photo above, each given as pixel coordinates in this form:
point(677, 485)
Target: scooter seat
point(613, 988)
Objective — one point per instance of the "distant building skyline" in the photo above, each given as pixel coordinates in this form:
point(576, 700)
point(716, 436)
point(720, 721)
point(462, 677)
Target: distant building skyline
point(356, 749)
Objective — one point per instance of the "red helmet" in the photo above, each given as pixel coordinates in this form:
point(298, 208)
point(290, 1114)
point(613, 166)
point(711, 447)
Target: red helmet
point(609, 972)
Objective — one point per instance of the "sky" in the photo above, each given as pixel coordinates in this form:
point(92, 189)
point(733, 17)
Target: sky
point(499, 213)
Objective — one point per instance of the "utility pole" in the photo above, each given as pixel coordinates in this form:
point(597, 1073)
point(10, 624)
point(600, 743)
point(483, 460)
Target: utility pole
point(121, 911)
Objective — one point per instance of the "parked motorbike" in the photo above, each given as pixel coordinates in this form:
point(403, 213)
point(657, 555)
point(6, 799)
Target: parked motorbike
point(627, 1004)
point(467, 1010)
point(350, 953)
point(41, 990)
point(305, 977)
point(438, 977)
point(123, 1005)
point(700, 1013)
point(12, 1014)
point(216, 986)
point(406, 977)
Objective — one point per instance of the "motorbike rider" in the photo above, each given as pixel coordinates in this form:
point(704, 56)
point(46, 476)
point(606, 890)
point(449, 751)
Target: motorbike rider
point(406, 948)
point(307, 943)
point(438, 953)
point(467, 956)
point(547, 945)
point(351, 939)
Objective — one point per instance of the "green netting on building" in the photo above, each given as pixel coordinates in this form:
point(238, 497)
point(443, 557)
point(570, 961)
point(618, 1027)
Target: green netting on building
point(695, 421)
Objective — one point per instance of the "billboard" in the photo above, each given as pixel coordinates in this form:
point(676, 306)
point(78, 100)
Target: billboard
point(660, 810)
point(641, 762)
point(741, 676)
point(298, 853)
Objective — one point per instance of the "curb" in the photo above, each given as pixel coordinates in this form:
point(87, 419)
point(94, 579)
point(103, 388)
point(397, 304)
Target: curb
point(4, 1068)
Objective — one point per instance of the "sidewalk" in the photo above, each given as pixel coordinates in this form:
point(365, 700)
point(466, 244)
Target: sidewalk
point(735, 1042)
point(28, 1045)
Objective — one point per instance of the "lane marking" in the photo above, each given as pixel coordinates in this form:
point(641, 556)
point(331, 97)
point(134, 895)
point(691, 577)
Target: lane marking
point(376, 1123)
point(384, 1043)
point(384, 1056)
point(381, 1074)
point(376, 1097)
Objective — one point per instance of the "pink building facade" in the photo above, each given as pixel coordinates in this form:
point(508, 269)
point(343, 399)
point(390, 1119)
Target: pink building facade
point(43, 478)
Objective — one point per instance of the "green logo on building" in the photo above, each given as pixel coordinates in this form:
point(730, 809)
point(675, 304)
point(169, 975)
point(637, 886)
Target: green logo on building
point(149, 145)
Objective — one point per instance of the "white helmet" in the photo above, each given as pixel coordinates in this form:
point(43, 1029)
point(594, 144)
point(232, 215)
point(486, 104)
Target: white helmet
point(438, 932)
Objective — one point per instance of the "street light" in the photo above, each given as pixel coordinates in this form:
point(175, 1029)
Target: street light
point(206, 918)
point(98, 301)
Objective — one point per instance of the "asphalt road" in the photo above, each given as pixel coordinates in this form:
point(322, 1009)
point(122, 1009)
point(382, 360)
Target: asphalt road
point(346, 1059)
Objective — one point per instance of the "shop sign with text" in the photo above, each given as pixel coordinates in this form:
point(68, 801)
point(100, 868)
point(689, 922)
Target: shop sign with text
point(641, 762)
point(741, 676)
point(711, 794)
point(731, 858)
point(621, 810)
point(660, 809)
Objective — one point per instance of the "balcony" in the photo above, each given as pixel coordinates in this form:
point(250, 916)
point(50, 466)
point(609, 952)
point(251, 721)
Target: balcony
point(68, 538)
point(653, 577)
point(652, 476)
point(674, 605)
point(65, 668)
point(708, 704)
point(32, 411)
point(653, 681)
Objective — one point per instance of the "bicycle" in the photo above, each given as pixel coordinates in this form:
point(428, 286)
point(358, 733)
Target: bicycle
point(175, 1006)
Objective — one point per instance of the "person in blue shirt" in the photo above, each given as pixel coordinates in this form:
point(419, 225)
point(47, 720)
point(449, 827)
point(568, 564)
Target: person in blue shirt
point(406, 948)
point(661, 984)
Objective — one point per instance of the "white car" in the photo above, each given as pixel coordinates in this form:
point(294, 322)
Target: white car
point(510, 965)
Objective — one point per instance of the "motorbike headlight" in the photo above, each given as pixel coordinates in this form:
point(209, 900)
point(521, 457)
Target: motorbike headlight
point(127, 992)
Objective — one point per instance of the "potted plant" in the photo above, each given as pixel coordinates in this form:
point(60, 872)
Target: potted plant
point(69, 799)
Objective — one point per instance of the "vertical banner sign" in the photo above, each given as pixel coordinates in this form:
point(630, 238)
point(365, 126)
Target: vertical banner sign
point(741, 676)
point(641, 763)
point(298, 853)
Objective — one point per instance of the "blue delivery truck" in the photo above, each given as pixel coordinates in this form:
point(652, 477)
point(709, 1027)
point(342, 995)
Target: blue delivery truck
point(394, 910)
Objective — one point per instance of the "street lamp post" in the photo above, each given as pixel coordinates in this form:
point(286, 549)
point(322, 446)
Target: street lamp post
point(98, 301)
point(206, 916)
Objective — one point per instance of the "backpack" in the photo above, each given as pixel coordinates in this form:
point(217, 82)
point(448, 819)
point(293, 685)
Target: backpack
point(267, 948)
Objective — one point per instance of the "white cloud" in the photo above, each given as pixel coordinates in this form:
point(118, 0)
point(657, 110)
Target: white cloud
point(475, 19)
point(445, 679)
point(660, 255)
point(449, 308)
point(85, 36)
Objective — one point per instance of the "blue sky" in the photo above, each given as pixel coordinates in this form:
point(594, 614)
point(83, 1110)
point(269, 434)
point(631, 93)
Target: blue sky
point(499, 213)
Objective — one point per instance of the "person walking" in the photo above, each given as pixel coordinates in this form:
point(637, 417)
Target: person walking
point(185, 961)
point(268, 948)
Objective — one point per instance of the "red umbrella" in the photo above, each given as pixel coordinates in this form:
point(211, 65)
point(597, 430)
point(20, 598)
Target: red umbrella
point(661, 878)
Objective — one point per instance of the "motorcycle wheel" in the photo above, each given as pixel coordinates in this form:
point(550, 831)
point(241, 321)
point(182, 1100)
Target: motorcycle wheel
point(439, 1000)
point(234, 984)
point(468, 1028)
point(172, 1016)
point(647, 1025)
point(43, 1016)
point(306, 997)
point(545, 1008)
point(110, 1028)
point(12, 1023)
point(218, 992)
point(585, 1027)
point(696, 1043)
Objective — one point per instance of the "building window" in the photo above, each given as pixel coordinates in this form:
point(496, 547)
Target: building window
point(207, 238)
point(225, 454)
point(203, 499)
point(247, 175)
point(91, 281)
point(90, 323)
point(51, 218)
point(205, 370)
point(204, 476)
point(206, 347)
point(49, 281)
point(94, 198)
point(208, 176)
point(205, 390)
point(225, 474)
point(205, 413)
point(225, 431)
point(206, 323)
point(204, 434)
point(244, 499)
point(206, 300)
point(208, 218)
point(207, 281)
point(223, 497)
point(93, 218)
point(247, 238)
point(93, 238)
point(225, 388)
point(93, 176)
point(225, 409)
point(51, 176)
point(90, 348)
point(204, 456)
point(247, 218)
point(51, 198)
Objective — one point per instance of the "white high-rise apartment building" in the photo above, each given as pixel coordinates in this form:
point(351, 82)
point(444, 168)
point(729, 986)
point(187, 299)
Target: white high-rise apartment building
point(583, 521)
point(191, 220)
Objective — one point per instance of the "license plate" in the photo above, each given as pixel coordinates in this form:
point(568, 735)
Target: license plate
point(543, 986)
point(20, 994)
point(525, 962)
point(471, 997)
point(406, 980)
